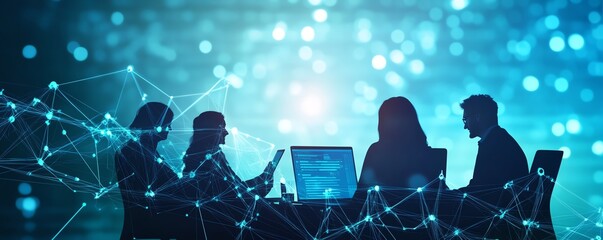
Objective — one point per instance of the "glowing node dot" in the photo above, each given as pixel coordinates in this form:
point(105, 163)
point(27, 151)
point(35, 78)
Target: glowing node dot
point(40, 162)
point(234, 81)
point(432, 217)
point(377, 188)
point(77, 179)
point(257, 197)
point(419, 189)
point(11, 119)
point(46, 148)
point(130, 68)
point(64, 132)
point(53, 85)
point(208, 156)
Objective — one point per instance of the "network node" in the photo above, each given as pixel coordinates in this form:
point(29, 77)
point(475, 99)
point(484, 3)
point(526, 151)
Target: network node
point(40, 162)
point(11, 105)
point(64, 132)
point(11, 119)
point(107, 116)
point(53, 85)
point(49, 115)
point(77, 179)
point(257, 197)
point(130, 68)
point(377, 188)
point(432, 217)
point(420, 189)
point(540, 172)
point(208, 156)
point(34, 102)
point(45, 148)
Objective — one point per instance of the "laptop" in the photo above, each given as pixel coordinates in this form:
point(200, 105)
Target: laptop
point(323, 174)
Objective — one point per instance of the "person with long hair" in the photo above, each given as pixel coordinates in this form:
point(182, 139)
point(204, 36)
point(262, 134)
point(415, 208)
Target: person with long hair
point(144, 179)
point(394, 159)
point(206, 164)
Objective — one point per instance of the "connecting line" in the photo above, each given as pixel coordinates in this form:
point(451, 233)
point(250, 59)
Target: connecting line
point(90, 78)
point(199, 99)
point(202, 223)
point(66, 98)
point(84, 160)
point(78, 211)
point(150, 83)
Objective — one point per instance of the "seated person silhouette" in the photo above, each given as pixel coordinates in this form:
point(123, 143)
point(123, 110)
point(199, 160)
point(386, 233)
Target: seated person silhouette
point(395, 159)
point(206, 164)
point(142, 176)
point(499, 157)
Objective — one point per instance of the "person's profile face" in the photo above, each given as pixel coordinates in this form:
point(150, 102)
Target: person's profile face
point(471, 123)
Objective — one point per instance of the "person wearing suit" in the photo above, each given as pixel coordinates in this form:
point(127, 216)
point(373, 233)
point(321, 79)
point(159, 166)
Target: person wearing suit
point(500, 159)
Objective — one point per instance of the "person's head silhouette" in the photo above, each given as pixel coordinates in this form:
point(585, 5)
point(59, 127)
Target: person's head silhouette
point(209, 130)
point(398, 121)
point(479, 114)
point(153, 120)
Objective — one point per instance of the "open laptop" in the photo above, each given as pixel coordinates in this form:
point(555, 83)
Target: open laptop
point(323, 173)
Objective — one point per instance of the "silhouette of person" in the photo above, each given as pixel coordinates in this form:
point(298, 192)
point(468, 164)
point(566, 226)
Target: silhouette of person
point(499, 157)
point(143, 177)
point(395, 159)
point(207, 165)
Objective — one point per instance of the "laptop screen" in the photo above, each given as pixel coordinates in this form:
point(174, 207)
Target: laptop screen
point(324, 172)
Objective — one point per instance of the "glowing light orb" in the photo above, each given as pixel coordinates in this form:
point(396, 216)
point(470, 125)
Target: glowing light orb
point(459, 4)
point(285, 126)
point(280, 31)
point(573, 126)
point(205, 47)
point(320, 15)
point(379, 62)
point(557, 44)
point(117, 18)
point(530, 83)
point(80, 54)
point(558, 129)
point(312, 106)
point(29, 51)
point(307, 34)
point(597, 148)
point(234, 80)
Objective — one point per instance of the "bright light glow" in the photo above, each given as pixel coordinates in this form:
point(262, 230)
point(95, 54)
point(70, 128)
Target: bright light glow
point(117, 18)
point(305, 53)
point(234, 130)
point(205, 46)
point(312, 106)
point(319, 66)
point(379, 62)
point(530, 83)
point(598, 148)
point(576, 41)
point(331, 128)
point(573, 126)
point(307, 34)
point(370, 93)
point(394, 79)
point(219, 71)
point(314, 2)
point(280, 31)
point(561, 84)
point(417, 67)
point(80, 54)
point(397, 36)
point(551, 22)
point(407, 47)
point(29, 51)
point(396, 56)
point(557, 44)
point(523, 48)
point(567, 152)
point(558, 129)
point(320, 15)
point(285, 126)
point(459, 4)
point(234, 80)
point(364, 35)
point(456, 49)
point(295, 88)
